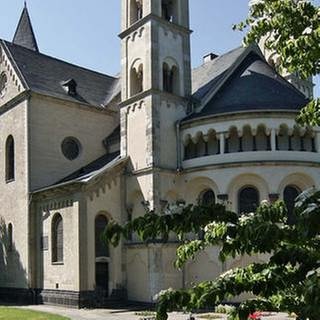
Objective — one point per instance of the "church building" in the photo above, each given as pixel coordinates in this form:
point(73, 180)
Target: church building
point(80, 148)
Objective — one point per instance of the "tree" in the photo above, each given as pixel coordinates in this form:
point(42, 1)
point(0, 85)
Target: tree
point(291, 28)
point(290, 280)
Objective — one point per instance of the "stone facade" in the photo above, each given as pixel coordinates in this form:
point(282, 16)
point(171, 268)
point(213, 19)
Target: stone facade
point(150, 140)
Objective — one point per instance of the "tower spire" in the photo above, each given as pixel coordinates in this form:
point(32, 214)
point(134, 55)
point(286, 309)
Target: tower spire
point(24, 35)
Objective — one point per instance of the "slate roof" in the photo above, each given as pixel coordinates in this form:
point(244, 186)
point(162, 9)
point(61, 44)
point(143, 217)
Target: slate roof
point(45, 75)
point(91, 169)
point(208, 75)
point(253, 86)
point(24, 35)
point(113, 137)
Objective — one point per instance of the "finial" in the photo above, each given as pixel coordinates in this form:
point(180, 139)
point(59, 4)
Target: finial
point(25, 4)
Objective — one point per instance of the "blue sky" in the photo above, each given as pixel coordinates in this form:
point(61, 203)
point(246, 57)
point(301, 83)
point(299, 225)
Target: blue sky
point(85, 32)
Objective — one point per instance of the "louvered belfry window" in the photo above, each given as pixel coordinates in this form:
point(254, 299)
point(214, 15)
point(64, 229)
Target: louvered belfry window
point(57, 239)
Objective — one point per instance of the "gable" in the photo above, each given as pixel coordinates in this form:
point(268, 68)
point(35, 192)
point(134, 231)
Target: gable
point(14, 83)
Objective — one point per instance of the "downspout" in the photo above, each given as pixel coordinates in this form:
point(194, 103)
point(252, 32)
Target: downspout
point(179, 160)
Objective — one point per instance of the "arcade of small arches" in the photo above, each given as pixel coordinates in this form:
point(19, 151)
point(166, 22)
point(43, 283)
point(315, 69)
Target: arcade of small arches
point(249, 139)
point(170, 77)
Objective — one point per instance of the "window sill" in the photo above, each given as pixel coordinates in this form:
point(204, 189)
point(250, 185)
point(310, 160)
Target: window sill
point(10, 180)
point(57, 263)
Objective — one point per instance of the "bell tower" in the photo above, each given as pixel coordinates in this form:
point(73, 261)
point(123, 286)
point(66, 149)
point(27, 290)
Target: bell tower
point(156, 87)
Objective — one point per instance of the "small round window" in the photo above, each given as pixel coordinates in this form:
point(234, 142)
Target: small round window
point(71, 148)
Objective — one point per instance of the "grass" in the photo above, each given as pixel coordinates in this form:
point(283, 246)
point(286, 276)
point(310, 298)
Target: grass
point(21, 314)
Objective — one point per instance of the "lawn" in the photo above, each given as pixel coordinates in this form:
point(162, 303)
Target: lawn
point(20, 314)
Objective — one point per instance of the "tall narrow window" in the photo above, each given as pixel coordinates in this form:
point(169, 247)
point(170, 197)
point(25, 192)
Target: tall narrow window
point(57, 238)
point(10, 159)
point(10, 237)
point(171, 80)
point(102, 249)
point(169, 10)
point(248, 200)
point(136, 79)
point(290, 194)
point(101, 253)
point(136, 11)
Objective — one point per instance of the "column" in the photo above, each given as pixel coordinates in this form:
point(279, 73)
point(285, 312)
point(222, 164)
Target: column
point(273, 140)
point(222, 143)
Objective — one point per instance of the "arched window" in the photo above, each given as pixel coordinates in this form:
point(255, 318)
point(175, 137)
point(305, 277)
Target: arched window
point(101, 248)
point(10, 159)
point(207, 198)
point(57, 238)
point(10, 237)
point(290, 193)
point(171, 79)
point(169, 10)
point(248, 200)
point(136, 11)
point(190, 151)
point(136, 79)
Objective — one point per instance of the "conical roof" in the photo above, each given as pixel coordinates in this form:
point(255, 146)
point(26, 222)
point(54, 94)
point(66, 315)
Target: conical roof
point(24, 35)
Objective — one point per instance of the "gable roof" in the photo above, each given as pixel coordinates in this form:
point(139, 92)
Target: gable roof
point(24, 35)
point(45, 75)
point(242, 81)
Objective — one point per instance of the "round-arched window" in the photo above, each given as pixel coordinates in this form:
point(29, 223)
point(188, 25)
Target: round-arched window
point(102, 249)
point(290, 194)
point(248, 200)
point(71, 148)
point(3, 84)
point(207, 198)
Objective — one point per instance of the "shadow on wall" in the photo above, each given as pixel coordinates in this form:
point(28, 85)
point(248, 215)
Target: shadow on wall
point(13, 277)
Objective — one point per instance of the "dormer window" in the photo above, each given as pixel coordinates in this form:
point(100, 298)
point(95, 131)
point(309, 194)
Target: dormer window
point(70, 86)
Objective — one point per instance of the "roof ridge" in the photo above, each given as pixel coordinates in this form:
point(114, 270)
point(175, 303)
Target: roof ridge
point(219, 57)
point(60, 60)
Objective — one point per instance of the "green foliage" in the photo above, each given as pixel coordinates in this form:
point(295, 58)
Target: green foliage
point(182, 220)
point(224, 308)
point(291, 29)
point(310, 115)
point(289, 281)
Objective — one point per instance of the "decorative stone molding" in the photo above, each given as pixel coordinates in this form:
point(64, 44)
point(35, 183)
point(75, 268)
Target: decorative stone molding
point(56, 204)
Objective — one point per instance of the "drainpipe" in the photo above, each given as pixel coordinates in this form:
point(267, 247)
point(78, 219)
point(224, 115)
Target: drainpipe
point(179, 162)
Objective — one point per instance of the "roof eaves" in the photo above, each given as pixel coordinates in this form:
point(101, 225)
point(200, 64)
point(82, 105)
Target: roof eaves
point(222, 114)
